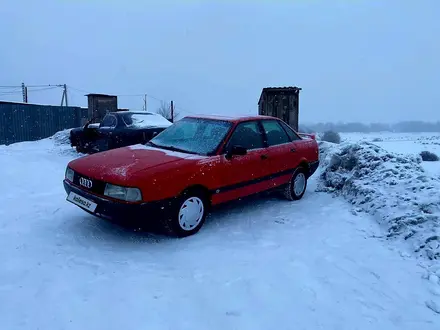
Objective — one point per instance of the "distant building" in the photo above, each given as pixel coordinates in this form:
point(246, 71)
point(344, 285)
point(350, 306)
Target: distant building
point(280, 102)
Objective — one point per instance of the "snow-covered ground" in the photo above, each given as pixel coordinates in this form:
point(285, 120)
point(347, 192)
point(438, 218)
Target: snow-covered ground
point(264, 263)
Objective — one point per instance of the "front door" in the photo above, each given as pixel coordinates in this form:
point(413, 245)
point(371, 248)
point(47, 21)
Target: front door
point(243, 175)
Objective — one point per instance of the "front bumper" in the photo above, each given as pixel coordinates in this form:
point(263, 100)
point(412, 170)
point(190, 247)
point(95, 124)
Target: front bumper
point(128, 213)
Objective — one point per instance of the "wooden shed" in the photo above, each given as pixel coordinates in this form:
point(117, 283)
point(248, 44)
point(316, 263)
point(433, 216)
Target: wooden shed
point(100, 104)
point(280, 102)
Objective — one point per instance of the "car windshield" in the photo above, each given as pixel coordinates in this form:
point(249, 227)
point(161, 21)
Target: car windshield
point(109, 121)
point(193, 135)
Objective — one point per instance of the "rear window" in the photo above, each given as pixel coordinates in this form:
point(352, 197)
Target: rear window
point(292, 135)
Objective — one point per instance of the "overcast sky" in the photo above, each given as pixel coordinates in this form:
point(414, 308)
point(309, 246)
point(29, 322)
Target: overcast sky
point(355, 60)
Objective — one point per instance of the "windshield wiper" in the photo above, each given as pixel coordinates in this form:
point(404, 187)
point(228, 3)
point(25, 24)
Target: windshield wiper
point(171, 148)
point(153, 144)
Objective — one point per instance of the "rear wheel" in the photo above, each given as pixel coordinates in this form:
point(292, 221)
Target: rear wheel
point(189, 214)
point(297, 185)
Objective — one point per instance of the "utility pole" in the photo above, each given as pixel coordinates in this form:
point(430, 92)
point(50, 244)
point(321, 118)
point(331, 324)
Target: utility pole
point(172, 111)
point(145, 102)
point(65, 94)
point(24, 92)
point(64, 97)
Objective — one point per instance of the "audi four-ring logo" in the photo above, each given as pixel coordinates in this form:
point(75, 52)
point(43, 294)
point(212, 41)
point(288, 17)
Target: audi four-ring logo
point(85, 182)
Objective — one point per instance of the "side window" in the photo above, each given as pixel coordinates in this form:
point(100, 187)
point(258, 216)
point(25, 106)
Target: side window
point(292, 135)
point(274, 132)
point(109, 121)
point(247, 135)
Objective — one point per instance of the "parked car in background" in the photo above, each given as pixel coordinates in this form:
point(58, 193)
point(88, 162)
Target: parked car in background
point(117, 129)
point(196, 163)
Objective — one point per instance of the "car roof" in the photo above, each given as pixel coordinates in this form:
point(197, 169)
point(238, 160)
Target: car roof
point(133, 112)
point(234, 119)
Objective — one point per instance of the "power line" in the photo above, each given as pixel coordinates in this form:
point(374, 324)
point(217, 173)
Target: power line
point(121, 95)
point(31, 86)
point(15, 89)
point(49, 85)
point(42, 89)
point(116, 94)
point(78, 90)
point(39, 88)
point(19, 91)
point(10, 93)
point(23, 89)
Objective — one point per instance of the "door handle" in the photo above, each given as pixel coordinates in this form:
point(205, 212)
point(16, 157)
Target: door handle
point(263, 157)
point(293, 150)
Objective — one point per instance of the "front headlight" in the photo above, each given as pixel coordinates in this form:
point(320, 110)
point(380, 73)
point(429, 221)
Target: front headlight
point(69, 174)
point(123, 193)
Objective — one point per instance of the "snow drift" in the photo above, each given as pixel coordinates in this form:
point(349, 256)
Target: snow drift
point(61, 138)
point(392, 187)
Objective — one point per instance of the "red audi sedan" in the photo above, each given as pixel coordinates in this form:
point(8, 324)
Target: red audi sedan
point(196, 163)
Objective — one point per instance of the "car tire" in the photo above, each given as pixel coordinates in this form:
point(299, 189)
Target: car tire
point(297, 185)
point(188, 215)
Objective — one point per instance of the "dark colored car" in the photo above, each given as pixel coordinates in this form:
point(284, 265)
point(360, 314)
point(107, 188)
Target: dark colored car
point(196, 163)
point(117, 129)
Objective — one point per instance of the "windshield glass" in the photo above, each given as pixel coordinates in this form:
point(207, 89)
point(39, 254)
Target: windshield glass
point(109, 121)
point(193, 135)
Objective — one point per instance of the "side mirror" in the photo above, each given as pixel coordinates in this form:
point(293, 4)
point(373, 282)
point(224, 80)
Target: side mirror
point(236, 151)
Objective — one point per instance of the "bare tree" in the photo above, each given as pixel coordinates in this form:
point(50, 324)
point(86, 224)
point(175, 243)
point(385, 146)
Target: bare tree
point(165, 111)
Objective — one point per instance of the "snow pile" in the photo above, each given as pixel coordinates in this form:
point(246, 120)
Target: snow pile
point(390, 186)
point(59, 143)
point(61, 138)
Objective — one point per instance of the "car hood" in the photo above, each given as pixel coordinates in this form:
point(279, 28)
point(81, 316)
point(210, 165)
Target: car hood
point(117, 165)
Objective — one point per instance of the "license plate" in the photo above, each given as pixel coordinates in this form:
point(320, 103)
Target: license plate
point(81, 202)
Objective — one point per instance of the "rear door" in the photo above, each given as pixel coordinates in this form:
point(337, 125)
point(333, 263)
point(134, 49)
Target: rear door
point(302, 147)
point(282, 151)
point(243, 175)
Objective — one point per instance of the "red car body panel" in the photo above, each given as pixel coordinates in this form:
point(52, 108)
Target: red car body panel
point(162, 174)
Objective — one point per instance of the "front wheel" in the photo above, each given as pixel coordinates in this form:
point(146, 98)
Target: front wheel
point(189, 215)
point(297, 185)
